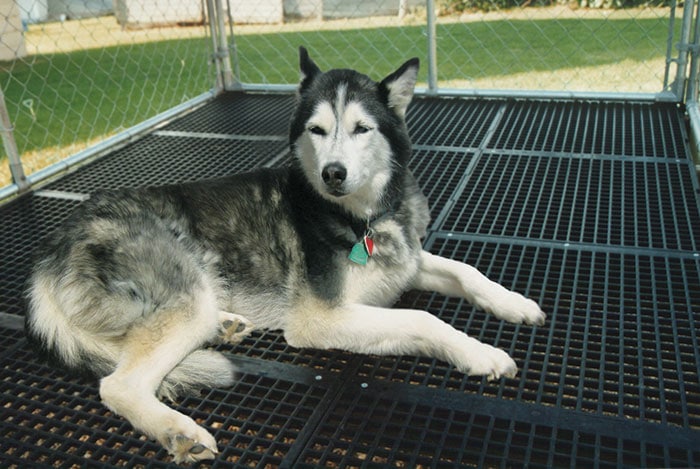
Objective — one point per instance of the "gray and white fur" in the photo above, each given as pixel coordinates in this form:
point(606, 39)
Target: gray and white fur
point(136, 282)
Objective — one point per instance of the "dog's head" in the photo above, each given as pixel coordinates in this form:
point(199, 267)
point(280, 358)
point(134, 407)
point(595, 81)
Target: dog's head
point(349, 133)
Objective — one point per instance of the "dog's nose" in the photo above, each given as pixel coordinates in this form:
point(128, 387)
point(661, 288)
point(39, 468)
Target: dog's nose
point(334, 174)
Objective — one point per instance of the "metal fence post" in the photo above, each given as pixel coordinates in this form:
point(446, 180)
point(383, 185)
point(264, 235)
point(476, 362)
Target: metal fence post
point(8, 141)
point(691, 93)
point(234, 49)
point(679, 82)
point(225, 79)
point(669, 45)
point(223, 52)
point(211, 11)
point(432, 47)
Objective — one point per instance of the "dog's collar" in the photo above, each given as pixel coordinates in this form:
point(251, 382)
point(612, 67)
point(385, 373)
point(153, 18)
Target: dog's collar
point(360, 226)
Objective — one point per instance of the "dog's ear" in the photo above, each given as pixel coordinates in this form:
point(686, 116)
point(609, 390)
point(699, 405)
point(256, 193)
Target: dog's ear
point(398, 87)
point(308, 68)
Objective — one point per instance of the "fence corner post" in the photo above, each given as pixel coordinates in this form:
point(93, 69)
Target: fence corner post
point(8, 141)
point(432, 47)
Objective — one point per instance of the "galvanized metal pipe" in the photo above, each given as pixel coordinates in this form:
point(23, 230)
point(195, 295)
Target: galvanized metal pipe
point(8, 141)
point(432, 47)
point(693, 111)
point(211, 12)
point(664, 96)
point(669, 44)
point(222, 52)
point(679, 82)
point(234, 50)
point(691, 93)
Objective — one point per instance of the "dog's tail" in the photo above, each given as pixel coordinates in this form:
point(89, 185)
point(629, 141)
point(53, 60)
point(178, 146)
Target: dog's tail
point(200, 369)
point(91, 354)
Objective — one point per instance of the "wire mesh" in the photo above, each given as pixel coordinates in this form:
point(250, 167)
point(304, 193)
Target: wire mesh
point(74, 72)
point(556, 47)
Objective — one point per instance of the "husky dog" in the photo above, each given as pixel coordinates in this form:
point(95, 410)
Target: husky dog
point(137, 282)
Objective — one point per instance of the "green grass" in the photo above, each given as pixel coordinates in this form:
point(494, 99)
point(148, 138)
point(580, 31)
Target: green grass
point(87, 94)
point(479, 49)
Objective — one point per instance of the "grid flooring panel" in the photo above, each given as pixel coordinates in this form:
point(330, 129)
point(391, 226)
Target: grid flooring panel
point(240, 114)
point(165, 159)
point(593, 128)
point(590, 208)
point(622, 202)
point(380, 426)
point(440, 173)
point(57, 420)
point(457, 123)
point(25, 222)
point(609, 336)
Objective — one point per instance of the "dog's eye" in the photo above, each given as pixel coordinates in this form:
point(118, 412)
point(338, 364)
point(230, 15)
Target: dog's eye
point(361, 129)
point(316, 130)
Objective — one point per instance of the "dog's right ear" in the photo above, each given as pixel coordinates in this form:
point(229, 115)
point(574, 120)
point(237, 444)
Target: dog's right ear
point(308, 68)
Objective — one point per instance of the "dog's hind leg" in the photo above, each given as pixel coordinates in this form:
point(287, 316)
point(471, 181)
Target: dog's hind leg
point(152, 351)
point(385, 331)
point(454, 278)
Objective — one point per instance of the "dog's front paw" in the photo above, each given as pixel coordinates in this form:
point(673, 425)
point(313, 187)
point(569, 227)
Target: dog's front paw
point(478, 359)
point(493, 363)
point(514, 307)
point(233, 328)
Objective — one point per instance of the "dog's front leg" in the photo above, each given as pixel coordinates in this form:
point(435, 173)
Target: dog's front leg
point(383, 331)
point(454, 278)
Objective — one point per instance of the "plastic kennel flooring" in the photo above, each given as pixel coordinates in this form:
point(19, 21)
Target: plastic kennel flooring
point(591, 208)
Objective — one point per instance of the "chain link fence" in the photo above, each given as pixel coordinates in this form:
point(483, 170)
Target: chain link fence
point(75, 72)
point(553, 48)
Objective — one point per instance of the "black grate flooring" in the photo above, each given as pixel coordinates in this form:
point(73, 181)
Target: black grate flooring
point(591, 208)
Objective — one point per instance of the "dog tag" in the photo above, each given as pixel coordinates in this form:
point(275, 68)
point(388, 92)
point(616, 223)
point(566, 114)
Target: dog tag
point(358, 255)
point(369, 245)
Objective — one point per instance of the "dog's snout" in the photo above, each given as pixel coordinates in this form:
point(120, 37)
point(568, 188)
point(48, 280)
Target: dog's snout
point(334, 174)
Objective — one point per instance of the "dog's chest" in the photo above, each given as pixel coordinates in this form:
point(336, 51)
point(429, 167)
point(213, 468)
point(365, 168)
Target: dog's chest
point(388, 272)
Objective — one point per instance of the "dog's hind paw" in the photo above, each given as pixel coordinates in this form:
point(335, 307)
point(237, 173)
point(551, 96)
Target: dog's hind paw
point(233, 328)
point(186, 441)
point(187, 450)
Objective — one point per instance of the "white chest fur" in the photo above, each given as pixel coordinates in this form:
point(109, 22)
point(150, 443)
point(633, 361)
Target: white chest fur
point(388, 273)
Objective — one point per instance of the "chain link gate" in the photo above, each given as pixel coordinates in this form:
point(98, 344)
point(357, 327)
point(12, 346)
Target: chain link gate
point(78, 77)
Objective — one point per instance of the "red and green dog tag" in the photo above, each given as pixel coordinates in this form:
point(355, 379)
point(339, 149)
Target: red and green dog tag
point(362, 250)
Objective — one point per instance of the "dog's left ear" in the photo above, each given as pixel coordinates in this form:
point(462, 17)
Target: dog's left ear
point(308, 68)
point(398, 87)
